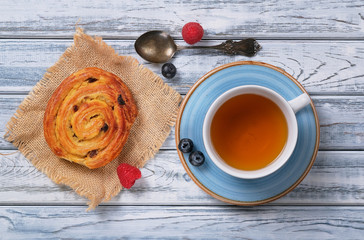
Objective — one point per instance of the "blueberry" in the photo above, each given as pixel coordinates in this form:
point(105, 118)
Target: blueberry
point(196, 158)
point(185, 145)
point(169, 70)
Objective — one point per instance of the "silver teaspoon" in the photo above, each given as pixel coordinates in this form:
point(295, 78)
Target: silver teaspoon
point(159, 47)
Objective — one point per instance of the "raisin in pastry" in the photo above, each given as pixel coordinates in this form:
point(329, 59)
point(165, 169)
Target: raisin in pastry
point(88, 118)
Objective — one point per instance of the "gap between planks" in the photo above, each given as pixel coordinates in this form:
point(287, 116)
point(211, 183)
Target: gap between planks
point(325, 94)
point(192, 204)
point(178, 38)
point(337, 39)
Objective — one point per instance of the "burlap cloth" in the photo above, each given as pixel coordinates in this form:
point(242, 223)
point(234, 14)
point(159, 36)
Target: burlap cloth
point(157, 104)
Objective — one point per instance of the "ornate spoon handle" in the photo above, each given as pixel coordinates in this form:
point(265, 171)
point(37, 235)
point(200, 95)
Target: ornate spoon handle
point(247, 47)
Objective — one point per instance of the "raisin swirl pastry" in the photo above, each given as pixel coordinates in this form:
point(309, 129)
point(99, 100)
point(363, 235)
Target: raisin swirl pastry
point(88, 118)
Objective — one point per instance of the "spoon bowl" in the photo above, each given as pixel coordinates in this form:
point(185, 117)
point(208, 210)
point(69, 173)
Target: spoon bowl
point(155, 46)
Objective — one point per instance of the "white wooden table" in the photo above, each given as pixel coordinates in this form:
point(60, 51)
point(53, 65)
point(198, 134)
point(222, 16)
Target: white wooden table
point(321, 43)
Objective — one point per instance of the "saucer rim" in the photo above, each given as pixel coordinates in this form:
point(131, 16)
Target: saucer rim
point(183, 161)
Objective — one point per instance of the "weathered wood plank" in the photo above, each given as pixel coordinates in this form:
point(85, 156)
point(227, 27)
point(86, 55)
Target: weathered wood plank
point(323, 67)
point(336, 178)
point(221, 19)
point(341, 120)
point(162, 222)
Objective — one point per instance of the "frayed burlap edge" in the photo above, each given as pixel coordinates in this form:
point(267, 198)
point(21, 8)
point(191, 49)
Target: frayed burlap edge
point(23, 107)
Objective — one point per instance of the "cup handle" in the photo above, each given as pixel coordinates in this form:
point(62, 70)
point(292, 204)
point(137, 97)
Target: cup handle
point(299, 102)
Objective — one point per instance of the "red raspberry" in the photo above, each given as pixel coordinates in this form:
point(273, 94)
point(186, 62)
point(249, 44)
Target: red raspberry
point(192, 32)
point(128, 174)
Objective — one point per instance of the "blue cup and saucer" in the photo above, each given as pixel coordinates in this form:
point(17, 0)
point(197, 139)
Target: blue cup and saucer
point(216, 182)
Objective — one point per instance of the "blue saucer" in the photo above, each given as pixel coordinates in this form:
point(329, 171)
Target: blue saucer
point(216, 182)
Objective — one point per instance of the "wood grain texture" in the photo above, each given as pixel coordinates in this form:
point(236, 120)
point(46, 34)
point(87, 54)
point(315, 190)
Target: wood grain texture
point(182, 222)
point(323, 67)
point(221, 19)
point(337, 177)
point(341, 120)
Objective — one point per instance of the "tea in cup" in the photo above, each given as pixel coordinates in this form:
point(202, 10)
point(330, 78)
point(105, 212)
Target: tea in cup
point(251, 131)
